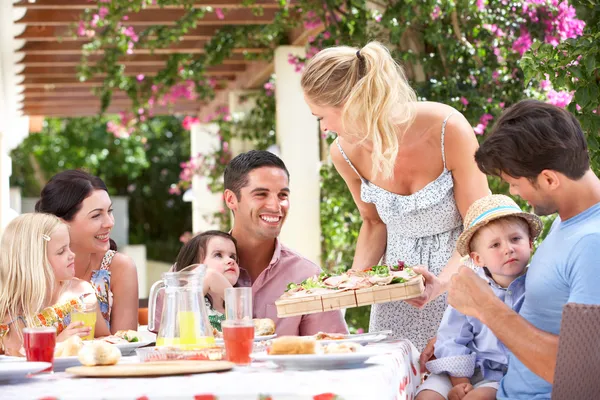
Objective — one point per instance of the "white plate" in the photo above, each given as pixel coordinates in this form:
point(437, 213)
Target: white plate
point(62, 363)
point(129, 348)
point(360, 339)
point(256, 338)
point(317, 361)
point(5, 358)
point(14, 370)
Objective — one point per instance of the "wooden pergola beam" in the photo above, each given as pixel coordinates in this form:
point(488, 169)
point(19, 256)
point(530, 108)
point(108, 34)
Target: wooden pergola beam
point(37, 33)
point(94, 102)
point(169, 17)
point(75, 84)
point(83, 4)
point(255, 76)
point(93, 111)
point(61, 60)
point(52, 70)
point(50, 80)
point(66, 48)
point(31, 48)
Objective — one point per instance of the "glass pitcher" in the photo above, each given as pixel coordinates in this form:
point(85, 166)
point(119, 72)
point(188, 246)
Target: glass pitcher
point(184, 322)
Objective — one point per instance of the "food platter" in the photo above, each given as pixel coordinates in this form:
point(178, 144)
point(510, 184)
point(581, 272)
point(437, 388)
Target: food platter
point(354, 289)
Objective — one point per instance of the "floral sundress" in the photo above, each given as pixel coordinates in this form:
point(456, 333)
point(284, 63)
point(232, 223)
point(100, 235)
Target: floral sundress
point(100, 280)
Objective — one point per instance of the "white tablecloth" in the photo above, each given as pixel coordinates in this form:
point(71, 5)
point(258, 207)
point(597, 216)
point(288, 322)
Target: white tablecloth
point(391, 374)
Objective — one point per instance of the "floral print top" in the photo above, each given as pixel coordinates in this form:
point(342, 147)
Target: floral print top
point(100, 280)
point(58, 316)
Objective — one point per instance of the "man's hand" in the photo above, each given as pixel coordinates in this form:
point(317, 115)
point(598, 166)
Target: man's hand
point(468, 293)
point(427, 354)
point(433, 288)
point(459, 391)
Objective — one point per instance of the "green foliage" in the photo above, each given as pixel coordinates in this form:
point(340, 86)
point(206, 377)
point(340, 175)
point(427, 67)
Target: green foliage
point(112, 35)
point(77, 143)
point(574, 65)
point(140, 167)
point(156, 218)
point(340, 220)
point(258, 124)
point(462, 53)
point(255, 127)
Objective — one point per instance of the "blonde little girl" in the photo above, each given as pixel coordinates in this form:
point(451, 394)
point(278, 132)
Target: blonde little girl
point(37, 279)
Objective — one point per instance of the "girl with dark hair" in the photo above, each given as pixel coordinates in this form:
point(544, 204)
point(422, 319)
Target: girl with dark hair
point(81, 200)
point(218, 251)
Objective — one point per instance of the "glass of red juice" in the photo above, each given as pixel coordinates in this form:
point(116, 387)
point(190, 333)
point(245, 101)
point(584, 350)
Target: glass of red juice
point(39, 344)
point(239, 340)
point(238, 327)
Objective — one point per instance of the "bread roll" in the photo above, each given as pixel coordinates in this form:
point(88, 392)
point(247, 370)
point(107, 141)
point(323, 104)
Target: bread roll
point(293, 345)
point(341, 348)
point(263, 326)
point(69, 347)
point(99, 353)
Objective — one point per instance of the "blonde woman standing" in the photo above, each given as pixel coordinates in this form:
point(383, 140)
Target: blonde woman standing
point(37, 270)
point(410, 168)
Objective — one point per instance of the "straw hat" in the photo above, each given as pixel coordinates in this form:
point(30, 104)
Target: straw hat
point(488, 209)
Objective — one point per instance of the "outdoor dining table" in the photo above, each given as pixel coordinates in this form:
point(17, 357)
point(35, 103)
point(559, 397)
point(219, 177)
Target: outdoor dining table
point(392, 373)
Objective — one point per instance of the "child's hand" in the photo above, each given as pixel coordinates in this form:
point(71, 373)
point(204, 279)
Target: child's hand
point(459, 391)
point(216, 283)
point(427, 354)
point(74, 328)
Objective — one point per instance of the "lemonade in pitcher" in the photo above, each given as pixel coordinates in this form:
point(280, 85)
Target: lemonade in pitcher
point(184, 320)
point(191, 335)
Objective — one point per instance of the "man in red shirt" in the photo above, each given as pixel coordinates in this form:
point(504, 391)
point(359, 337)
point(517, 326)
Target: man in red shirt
point(257, 192)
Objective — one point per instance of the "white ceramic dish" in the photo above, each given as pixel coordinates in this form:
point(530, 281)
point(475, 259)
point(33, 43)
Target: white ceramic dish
point(317, 361)
point(360, 339)
point(129, 348)
point(20, 369)
point(5, 358)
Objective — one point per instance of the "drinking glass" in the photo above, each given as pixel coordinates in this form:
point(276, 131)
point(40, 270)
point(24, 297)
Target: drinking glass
point(39, 344)
point(238, 327)
point(87, 315)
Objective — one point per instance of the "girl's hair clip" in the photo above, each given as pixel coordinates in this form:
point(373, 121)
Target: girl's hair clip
point(45, 237)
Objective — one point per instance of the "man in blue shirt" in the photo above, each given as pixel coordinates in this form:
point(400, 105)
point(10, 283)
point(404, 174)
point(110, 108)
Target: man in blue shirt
point(541, 152)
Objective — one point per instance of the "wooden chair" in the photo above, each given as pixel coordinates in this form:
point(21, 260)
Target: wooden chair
point(143, 312)
point(577, 374)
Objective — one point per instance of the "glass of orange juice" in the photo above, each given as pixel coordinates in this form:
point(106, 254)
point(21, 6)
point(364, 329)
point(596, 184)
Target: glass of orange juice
point(87, 315)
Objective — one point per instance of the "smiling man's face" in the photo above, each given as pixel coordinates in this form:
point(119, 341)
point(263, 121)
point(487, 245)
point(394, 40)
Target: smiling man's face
point(263, 203)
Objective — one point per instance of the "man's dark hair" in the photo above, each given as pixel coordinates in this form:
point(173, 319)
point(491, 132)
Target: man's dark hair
point(532, 136)
point(236, 172)
point(195, 250)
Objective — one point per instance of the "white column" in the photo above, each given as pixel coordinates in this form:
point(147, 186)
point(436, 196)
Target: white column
point(298, 140)
point(238, 110)
point(11, 132)
point(138, 253)
point(204, 140)
point(5, 172)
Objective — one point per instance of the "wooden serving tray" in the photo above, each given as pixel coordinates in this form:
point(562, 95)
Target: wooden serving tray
point(159, 368)
point(289, 307)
